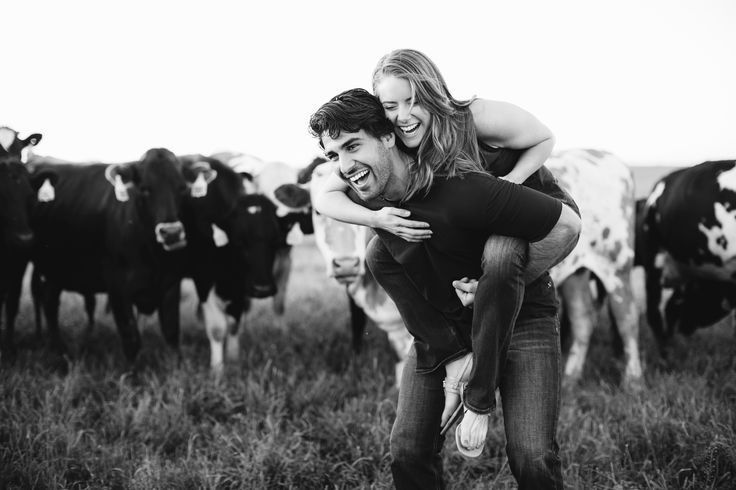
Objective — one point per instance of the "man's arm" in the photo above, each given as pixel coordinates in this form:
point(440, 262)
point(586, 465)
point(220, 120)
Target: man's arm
point(331, 200)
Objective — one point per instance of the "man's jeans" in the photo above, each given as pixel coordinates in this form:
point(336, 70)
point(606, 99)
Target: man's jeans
point(530, 396)
point(529, 378)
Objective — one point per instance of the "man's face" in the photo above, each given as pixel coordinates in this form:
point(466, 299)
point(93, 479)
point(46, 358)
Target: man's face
point(364, 161)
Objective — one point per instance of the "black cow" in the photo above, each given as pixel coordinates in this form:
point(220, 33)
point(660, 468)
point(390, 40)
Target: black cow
point(686, 240)
point(108, 228)
point(17, 197)
point(279, 182)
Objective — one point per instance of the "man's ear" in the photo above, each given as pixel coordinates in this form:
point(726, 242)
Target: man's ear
point(389, 140)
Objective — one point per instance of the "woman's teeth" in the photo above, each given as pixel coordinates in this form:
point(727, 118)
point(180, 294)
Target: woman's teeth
point(355, 178)
point(409, 129)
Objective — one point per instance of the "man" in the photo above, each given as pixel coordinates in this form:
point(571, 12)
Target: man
point(463, 211)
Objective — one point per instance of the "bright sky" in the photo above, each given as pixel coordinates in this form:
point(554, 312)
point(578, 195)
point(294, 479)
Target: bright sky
point(653, 81)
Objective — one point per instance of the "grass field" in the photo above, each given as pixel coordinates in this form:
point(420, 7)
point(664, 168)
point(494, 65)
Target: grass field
point(301, 411)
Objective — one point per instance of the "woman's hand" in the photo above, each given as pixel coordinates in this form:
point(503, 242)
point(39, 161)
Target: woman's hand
point(465, 289)
point(394, 220)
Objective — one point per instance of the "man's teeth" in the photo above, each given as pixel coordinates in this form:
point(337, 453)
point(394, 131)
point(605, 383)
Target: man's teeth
point(358, 176)
point(410, 129)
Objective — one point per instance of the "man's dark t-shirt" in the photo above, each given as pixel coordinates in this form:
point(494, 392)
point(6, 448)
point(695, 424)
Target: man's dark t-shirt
point(462, 213)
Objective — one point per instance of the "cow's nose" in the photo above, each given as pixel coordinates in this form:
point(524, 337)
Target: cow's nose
point(346, 269)
point(262, 290)
point(171, 235)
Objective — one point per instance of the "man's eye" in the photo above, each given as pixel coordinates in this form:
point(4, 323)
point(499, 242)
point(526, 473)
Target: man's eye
point(352, 147)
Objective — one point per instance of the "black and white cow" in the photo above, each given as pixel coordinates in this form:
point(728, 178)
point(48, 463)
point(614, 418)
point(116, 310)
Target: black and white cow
point(109, 228)
point(603, 187)
point(17, 197)
point(686, 242)
point(279, 182)
point(232, 241)
point(343, 247)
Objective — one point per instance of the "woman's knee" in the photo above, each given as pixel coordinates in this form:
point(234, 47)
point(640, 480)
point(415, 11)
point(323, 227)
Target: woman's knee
point(504, 253)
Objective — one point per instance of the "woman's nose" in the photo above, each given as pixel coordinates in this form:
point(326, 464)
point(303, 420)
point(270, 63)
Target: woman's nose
point(404, 113)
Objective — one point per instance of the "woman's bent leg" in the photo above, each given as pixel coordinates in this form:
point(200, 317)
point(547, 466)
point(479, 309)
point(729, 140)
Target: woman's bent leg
point(498, 300)
point(557, 245)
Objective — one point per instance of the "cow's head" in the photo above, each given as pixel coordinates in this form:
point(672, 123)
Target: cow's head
point(156, 186)
point(342, 244)
point(12, 145)
point(698, 303)
point(16, 191)
point(17, 197)
point(253, 236)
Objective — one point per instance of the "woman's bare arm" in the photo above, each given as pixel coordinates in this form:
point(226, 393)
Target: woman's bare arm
point(508, 126)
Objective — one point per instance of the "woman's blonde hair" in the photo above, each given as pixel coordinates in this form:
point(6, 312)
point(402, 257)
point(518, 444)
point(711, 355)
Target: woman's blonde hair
point(450, 147)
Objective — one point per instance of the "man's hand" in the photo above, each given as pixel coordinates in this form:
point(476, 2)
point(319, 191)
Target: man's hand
point(465, 289)
point(394, 220)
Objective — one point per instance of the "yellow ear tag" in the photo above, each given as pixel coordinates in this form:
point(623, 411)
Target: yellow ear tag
point(46, 192)
point(121, 193)
point(199, 187)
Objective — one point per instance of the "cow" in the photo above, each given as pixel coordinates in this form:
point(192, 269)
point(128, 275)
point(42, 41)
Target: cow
point(343, 247)
point(232, 241)
point(108, 228)
point(278, 181)
point(603, 187)
point(17, 197)
point(686, 242)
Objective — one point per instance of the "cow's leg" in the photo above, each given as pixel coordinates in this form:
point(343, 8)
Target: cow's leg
point(37, 298)
point(578, 303)
point(357, 324)
point(12, 300)
point(232, 345)
point(169, 316)
point(654, 298)
point(281, 273)
point(624, 312)
point(215, 321)
point(122, 312)
point(51, 295)
point(90, 305)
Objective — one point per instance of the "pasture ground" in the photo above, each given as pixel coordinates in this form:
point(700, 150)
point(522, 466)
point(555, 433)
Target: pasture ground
point(301, 411)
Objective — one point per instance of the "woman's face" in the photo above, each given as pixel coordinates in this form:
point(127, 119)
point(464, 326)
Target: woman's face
point(411, 122)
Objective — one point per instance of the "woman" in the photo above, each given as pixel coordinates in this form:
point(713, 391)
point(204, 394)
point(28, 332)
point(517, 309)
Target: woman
point(442, 132)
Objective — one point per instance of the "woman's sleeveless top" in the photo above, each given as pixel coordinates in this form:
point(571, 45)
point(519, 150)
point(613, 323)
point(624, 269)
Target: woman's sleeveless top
point(500, 161)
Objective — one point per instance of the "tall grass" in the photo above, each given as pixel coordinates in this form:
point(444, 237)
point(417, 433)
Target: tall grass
point(301, 411)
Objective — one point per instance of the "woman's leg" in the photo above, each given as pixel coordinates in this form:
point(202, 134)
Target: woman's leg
point(553, 248)
point(415, 437)
point(530, 395)
point(498, 300)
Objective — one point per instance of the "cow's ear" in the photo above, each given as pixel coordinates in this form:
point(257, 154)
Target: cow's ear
point(292, 195)
point(249, 186)
point(129, 172)
point(32, 140)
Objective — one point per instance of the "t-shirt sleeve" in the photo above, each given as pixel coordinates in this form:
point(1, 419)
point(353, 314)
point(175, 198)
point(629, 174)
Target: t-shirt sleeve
point(499, 207)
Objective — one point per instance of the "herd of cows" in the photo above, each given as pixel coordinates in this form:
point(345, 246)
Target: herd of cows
point(228, 222)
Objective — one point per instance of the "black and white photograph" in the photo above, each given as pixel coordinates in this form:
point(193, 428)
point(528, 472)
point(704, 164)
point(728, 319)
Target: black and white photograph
point(391, 245)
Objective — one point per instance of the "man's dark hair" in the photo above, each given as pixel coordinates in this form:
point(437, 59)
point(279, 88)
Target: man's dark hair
point(350, 112)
